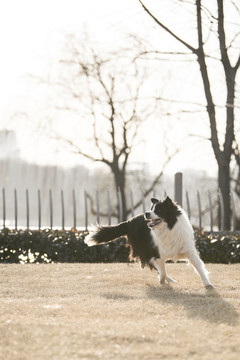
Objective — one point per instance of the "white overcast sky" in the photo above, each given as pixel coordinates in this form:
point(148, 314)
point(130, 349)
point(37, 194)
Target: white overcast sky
point(32, 34)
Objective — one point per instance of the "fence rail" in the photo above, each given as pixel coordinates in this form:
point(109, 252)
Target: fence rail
point(87, 213)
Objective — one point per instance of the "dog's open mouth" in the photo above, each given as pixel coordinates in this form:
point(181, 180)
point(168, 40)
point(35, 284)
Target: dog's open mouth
point(153, 222)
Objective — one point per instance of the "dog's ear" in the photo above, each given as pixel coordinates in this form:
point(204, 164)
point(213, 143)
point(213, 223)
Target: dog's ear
point(154, 201)
point(168, 200)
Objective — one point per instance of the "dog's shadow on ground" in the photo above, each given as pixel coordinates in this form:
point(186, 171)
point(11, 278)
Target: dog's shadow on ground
point(209, 306)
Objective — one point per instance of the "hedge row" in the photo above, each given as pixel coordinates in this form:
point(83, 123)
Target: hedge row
point(217, 248)
point(56, 246)
point(68, 246)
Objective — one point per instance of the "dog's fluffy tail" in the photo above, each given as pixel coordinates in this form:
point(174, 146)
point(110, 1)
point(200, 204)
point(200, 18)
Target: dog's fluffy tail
point(104, 234)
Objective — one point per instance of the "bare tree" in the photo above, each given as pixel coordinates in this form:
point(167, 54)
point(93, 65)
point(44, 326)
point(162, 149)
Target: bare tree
point(223, 152)
point(109, 96)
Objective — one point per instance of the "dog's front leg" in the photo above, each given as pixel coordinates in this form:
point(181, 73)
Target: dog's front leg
point(159, 265)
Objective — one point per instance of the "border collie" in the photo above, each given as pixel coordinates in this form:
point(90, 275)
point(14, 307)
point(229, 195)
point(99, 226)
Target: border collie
point(158, 235)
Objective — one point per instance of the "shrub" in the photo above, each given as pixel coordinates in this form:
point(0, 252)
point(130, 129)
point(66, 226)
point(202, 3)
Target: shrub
point(56, 246)
point(219, 248)
point(25, 246)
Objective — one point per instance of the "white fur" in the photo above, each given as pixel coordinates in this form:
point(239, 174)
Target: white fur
point(89, 240)
point(177, 243)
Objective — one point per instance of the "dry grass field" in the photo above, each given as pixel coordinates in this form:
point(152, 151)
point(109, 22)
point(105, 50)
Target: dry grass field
point(117, 311)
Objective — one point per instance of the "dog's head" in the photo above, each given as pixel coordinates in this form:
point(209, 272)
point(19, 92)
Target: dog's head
point(165, 210)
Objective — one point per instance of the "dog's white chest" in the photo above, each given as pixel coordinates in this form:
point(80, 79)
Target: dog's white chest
point(172, 243)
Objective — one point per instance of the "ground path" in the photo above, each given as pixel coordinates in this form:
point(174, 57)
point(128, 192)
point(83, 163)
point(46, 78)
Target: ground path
point(117, 311)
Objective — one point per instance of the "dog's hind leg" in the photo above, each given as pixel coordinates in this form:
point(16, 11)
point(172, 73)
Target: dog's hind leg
point(159, 265)
point(200, 268)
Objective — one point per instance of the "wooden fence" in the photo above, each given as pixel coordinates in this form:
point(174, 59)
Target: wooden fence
point(97, 216)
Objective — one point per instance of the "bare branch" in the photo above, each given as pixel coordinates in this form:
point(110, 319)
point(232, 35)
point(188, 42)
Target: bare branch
point(236, 67)
point(191, 48)
point(171, 53)
point(156, 179)
point(236, 7)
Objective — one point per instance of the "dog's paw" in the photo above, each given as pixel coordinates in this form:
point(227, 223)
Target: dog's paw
point(161, 279)
point(170, 280)
point(209, 287)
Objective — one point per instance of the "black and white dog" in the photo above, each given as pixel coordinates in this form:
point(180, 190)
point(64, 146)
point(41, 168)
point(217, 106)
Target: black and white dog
point(156, 236)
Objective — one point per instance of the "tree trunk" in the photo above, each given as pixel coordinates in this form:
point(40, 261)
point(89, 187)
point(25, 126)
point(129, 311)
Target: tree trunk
point(119, 178)
point(224, 186)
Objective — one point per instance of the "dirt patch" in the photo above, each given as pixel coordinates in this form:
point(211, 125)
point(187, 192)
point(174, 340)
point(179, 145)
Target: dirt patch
point(117, 311)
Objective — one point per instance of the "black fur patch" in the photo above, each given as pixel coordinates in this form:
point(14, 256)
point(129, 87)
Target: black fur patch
point(138, 238)
point(167, 210)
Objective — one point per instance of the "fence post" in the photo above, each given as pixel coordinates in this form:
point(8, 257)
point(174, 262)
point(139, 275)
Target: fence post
point(120, 213)
point(74, 211)
point(98, 207)
point(199, 210)
point(27, 208)
point(132, 202)
point(211, 210)
point(86, 210)
point(39, 210)
point(178, 188)
point(15, 208)
point(109, 208)
point(4, 208)
point(143, 203)
point(63, 212)
point(51, 209)
point(233, 212)
point(188, 205)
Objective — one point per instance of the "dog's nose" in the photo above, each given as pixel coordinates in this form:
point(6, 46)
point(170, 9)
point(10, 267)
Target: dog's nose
point(147, 215)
